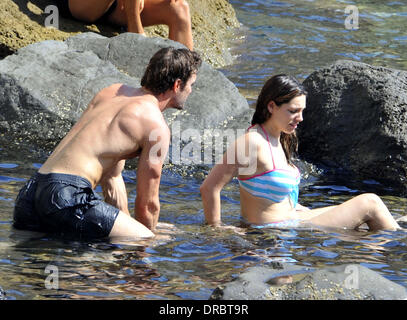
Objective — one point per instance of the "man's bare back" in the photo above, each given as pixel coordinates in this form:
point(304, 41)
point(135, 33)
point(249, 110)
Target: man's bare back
point(112, 128)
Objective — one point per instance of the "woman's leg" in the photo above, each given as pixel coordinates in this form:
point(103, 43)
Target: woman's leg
point(366, 208)
point(89, 10)
point(129, 228)
point(173, 13)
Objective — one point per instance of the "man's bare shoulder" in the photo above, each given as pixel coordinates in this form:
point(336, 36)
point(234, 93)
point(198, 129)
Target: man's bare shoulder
point(105, 94)
point(142, 117)
point(109, 92)
point(144, 109)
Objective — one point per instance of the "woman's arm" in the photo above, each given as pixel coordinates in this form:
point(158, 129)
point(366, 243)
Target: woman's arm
point(219, 176)
point(235, 161)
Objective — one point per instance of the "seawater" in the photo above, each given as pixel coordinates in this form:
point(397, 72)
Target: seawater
point(275, 37)
point(298, 37)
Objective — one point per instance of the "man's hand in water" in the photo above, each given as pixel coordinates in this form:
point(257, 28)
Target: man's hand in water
point(169, 228)
point(241, 231)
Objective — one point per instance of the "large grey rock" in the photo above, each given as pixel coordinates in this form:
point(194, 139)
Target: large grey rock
point(44, 87)
point(356, 119)
point(213, 100)
point(290, 282)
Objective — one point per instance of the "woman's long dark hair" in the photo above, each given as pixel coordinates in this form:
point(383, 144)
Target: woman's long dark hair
point(281, 89)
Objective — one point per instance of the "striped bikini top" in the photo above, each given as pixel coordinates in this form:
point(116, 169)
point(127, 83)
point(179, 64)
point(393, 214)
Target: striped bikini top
point(276, 184)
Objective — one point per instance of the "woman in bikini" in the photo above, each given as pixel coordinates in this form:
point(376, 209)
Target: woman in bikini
point(269, 194)
point(134, 14)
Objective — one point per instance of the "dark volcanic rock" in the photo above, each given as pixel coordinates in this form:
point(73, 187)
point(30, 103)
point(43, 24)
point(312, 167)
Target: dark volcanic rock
point(356, 119)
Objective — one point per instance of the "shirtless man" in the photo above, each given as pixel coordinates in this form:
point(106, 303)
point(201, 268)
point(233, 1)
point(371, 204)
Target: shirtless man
point(120, 123)
point(135, 14)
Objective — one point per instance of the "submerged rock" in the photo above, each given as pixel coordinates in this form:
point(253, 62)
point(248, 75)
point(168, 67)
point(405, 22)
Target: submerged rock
point(356, 119)
point(252, 284)
point(290, 282)
point(44, 87)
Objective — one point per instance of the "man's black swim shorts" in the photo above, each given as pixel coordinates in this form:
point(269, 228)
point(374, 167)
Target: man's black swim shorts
point(63, 204)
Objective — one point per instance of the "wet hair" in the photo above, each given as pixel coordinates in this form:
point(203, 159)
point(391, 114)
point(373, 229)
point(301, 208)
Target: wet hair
point(281, 89)
point(166, 66)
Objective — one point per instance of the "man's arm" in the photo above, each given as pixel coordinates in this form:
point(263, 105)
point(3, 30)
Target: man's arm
point(154, 151)
point(114, 189)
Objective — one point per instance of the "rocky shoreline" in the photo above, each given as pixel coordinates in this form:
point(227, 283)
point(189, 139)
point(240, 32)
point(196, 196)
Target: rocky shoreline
point(354, 123)
point(45, 85)
point(22, 23)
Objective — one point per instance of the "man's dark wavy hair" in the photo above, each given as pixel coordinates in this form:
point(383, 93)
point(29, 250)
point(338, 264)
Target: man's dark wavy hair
point(167, 65)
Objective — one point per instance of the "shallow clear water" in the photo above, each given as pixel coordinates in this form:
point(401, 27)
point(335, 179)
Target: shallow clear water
point(292, 37)
point(298, 37)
